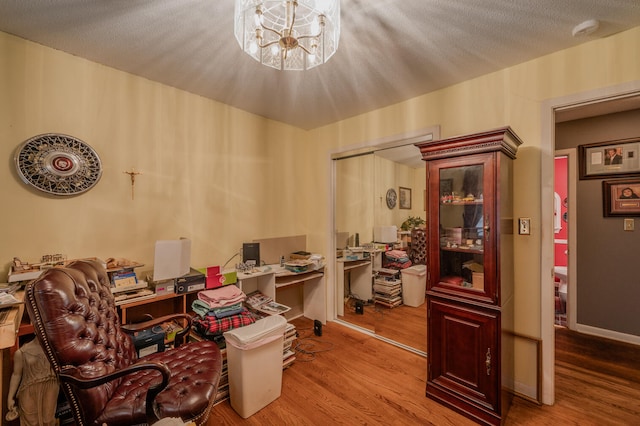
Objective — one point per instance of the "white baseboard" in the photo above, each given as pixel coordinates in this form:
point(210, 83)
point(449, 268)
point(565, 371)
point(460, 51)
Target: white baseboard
point(526, 391)
point(608, 334)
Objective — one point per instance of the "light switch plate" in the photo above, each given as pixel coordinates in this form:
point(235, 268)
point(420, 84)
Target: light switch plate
point(629, 225)
point(524, 226)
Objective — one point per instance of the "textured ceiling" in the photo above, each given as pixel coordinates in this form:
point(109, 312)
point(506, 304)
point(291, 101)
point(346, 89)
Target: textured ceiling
point(390, 50)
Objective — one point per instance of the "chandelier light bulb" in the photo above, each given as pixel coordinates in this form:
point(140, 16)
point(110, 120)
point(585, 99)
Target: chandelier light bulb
point(288, 34)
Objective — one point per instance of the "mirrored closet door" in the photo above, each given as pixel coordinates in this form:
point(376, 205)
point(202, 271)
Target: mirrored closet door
point(378, 190)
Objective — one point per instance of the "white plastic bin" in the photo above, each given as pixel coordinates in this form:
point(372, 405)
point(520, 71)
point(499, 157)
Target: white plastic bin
point(414, 285)
point(254, 363)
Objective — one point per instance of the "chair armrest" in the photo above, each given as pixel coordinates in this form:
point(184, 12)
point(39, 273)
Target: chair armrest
point(180, 336)
point(153, 391)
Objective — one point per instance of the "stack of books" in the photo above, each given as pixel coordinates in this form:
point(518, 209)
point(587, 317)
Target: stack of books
point(288, 354)
point(387, 288)
point(223, 384)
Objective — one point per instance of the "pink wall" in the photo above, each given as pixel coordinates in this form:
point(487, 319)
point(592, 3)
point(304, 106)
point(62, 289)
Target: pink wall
point(560, 188)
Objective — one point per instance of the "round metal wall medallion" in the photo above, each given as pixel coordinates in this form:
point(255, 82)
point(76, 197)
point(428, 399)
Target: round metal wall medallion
point(58, 164)
point(392, 197)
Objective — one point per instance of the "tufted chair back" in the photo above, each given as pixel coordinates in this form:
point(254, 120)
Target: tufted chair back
point(76, 321)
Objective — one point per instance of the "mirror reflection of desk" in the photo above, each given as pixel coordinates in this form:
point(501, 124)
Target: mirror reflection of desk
point(355, 276)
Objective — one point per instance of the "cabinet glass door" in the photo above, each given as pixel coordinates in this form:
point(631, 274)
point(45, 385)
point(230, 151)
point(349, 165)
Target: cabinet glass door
point(461, 195)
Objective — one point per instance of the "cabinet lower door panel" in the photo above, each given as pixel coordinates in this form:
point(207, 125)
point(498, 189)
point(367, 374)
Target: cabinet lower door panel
point(464, 356)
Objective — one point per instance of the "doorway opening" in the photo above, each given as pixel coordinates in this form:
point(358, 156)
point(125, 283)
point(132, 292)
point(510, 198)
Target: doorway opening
point(573, 107)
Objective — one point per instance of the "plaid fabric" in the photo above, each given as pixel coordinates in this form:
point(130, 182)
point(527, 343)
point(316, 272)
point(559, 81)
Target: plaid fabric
point(211, 326)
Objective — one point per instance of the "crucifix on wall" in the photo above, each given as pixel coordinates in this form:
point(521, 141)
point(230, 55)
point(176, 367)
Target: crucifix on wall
point(133, 175)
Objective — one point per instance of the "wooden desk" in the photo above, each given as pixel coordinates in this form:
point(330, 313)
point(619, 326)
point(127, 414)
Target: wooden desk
point(307, 286)
point(358, 275)
point(10, 319)
point(10, 323)
point(303, 292)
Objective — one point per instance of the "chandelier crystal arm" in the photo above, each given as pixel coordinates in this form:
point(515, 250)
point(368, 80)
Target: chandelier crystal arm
point(271, 43)
point(307, 51)
point(310, 36)
point(260, 21)
point(276, 32)
point(291, 14)
point(320, 30)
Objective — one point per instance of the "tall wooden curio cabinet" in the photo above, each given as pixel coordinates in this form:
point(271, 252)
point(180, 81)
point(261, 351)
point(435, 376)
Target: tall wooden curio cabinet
point(470, 272)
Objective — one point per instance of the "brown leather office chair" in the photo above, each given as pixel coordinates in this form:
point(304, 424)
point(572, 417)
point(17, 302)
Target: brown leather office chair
point(75, 319)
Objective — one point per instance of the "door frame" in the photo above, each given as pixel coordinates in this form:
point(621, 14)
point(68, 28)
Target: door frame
point(547, 148)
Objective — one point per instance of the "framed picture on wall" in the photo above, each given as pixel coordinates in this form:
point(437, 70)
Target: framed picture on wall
point(621, 197)
point(609, 159)
point(404, 198)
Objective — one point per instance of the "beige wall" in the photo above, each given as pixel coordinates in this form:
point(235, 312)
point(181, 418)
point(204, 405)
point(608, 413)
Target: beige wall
point(361, 186)
point(212, 173)
point(514, 97)
point(221, 176)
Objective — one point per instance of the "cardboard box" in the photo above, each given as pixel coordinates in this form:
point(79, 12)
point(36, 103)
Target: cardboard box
point(304, 255)
point(454, 235)
point(165, 287)
point(147, 342)
point(216, 278)
point(193, 281)
point(477, 279)
point(351, 254)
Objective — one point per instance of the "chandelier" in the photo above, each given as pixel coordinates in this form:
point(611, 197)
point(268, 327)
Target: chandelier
point(288, 34)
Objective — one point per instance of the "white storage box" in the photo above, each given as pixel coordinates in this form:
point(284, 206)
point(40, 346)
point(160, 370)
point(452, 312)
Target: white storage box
point(254, 362)
point(385, 234)
point(414, 285)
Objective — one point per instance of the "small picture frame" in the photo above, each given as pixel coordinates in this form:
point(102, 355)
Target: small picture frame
point(404, 198)
point(609, 159)
point(621, 197)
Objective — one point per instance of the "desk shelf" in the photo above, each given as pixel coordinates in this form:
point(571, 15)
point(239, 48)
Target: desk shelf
point(303, 292)
point(356, 277)
point(287, 280)
point(137, 310)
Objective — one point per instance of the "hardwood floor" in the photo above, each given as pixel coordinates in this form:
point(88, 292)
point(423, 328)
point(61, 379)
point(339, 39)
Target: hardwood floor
point(384, 322)
point(597, 383)
point(354, 379)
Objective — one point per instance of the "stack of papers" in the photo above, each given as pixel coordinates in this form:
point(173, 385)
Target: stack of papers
point(7, 300)
point(264, 305)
